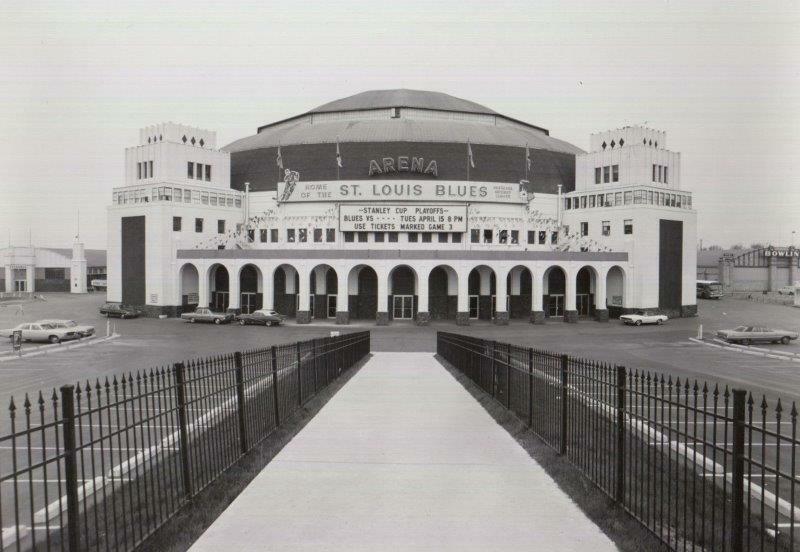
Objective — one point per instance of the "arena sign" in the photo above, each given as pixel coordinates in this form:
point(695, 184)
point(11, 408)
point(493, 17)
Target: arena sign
point(358, 190)
point(402, 218)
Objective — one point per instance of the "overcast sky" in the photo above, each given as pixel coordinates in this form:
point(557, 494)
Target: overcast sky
point(78, 79)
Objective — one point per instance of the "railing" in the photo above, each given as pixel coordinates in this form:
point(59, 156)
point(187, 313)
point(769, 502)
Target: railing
point(702, 467)
point(103, 465)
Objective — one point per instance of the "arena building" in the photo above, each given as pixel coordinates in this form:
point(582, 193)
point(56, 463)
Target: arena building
point(403, 205)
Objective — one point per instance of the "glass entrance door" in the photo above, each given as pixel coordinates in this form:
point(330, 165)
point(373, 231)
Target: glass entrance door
point(248, 302)
point(555, 305)
point(221, 301)
point(331, 306)
point(403, 307)
point(582, 303)
point(474, 306)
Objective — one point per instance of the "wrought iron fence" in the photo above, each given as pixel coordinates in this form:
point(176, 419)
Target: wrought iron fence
point(102, 465)
point(703, 467)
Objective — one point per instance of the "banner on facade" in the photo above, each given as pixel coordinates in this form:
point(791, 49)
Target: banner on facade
point(359, 190)
point(402, 218)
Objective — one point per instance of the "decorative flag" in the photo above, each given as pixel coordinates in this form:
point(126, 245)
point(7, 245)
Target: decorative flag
point(279, 159)
point(527, 157)
point(338, 155)
point(469, 156)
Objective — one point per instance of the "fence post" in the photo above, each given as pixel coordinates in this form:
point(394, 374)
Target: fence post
point(70, 466)
point(562, 449)
point(237, 362)
point(530, 387)
point(493, 366)
point(299, 376)
point(508, 376)
point(180, 391)
point(274, 356)
point(737, 480)
point(619, 494)
point(314, 364)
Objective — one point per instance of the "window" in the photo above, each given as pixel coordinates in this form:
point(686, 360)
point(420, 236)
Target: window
point(638, 196)
point(290, 235)
point(393, 237)
point(531, 236)
point(150, 171)
point(502, 236)
point(349, 237)
point(273, 235)
point(413, 237)
point(515, 236)
point(177, 195)
point(455, 237)
point(609, 202)
point(204, 198)
point(379, 237)
point(198, 225)
point(208, 173)
point(487, 236)
point(583, 202)
point(442, 237)
point(251, 235)
point(139, 171)
point(542, 237)
point(650, 197)
point(584, 229)
point(176, 224)
point(597, 175)
point(330, 235)
point(615, 173)
point(628, 224)
point(220, 227)
point(606, 174)
point(427, 237)
point(618, 198)
point(54, 274)
point(567, 203)
point(554, 238)
point(474, 235)
point(302, 235)
point(628, 198)
point(214, 199)
point(317, 235)
point(659, 173)
point(606, 228)
point(190, 170)
point(654, 174)
point(262, 235)
point(362, 237)
point(591, 201)
point(665, 175)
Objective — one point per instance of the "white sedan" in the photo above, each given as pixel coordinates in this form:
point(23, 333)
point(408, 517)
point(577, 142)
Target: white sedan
point(643, 317)
point(43, 332)
point(83, 330)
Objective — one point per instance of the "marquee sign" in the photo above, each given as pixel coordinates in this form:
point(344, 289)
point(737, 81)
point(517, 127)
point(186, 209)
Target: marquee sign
point(402, 218)
point(399, 190)
point(790, 252)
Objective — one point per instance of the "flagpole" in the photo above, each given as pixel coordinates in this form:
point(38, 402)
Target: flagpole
point(468, 160)
point(527, 161)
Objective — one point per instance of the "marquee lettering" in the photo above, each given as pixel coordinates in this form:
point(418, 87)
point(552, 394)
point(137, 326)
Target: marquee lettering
point(403, 163)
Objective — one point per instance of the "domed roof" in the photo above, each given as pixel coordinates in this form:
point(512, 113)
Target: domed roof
point(402, 97)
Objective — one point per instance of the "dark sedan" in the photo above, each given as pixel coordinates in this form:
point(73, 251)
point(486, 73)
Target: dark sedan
point(263, 317)
point(120, 310)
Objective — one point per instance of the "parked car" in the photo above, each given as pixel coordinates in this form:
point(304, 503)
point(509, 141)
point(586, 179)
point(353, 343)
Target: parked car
point(265, 317)
point(786, 290)
point(204, 314)
point(43, 332)
point(121, 310)
point(753, 334)
point(83, 330)
point(643, 317)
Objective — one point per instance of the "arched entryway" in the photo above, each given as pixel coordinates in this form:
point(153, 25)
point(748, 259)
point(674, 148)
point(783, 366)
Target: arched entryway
point(402, 293)
point(443, 293)
point(585, 289)
point(554, 288)
point(482, 288)
point(615, 291)
point(189, 287)
point(520, 292)
point(285, 283)
point(219, 286)
point(362, 289)
point(324, 287)
point(250, 288)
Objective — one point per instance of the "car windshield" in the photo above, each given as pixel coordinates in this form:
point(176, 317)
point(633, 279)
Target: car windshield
point(740, 329)
point(47, 326)
point(641, 312)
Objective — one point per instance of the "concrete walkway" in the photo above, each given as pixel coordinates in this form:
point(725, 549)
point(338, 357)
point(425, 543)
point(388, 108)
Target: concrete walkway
point(402, 458)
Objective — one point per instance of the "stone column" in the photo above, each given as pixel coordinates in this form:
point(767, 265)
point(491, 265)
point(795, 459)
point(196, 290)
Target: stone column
point(234, 292)
point(382, 316)
point(537, 312)
point(9, 279)
point(501, 291)
point(793, 262)
point(423, 312)
point(304, 301)
point(600, 299)
point(203, 294)
point(267, 287)
point(342, 297)
point(462, 312)
point(30, 278)
point(570, 310)
point(772, 273)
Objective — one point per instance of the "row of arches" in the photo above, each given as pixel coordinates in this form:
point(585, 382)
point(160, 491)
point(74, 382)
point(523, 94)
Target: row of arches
point(358, 292)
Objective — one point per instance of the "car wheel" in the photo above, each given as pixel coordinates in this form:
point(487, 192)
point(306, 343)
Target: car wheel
point(638, 322)
point(242, 322)
point(785, 340)
point(217, 321)
point(191, 321)
point(54, 339)
point(659, 321)
point(746, 341)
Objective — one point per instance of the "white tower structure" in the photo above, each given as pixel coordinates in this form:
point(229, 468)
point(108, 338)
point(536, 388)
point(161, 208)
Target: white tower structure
point(77, 268)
